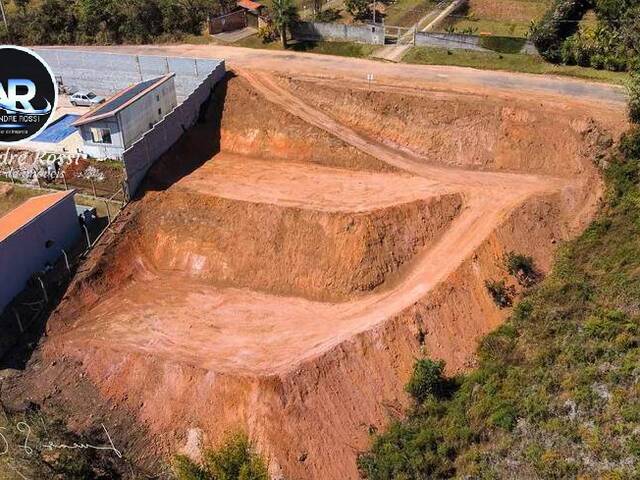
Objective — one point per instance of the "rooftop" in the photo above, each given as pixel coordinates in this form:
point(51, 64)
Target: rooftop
point(250, 4)
point(21, 216)
point(121, 100)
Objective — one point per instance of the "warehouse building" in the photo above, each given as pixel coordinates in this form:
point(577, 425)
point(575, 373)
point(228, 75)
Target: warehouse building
point(112, 127)
point(33, 235)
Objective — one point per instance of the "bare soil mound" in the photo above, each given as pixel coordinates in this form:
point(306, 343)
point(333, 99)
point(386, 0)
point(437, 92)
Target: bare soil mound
point(252, 126)
point(286, 285)
point(471, 131)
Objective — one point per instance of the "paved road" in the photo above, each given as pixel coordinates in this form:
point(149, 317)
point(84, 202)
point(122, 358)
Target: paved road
point(426, 76)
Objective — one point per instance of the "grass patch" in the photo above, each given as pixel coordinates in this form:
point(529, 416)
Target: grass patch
point(502, 44)
point(491, 27)
point(508, 62)
point(343, 49)
point(15, 196)
point(405, 13)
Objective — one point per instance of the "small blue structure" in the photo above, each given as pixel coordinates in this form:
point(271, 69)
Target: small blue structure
point(58, 130)
point(32, 235)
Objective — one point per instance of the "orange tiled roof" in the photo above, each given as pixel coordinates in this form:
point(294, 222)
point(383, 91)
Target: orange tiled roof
point(28, 211)
point(250, 4)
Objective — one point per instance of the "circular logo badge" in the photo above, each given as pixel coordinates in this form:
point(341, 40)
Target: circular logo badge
point(28, 94)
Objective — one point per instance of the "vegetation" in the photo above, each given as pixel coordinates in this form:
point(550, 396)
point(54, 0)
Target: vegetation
point(522, 268)
point(611, 42)
point(556, 392)
point(633, 87)
point(359, 9)
point(38, 446)
point(283, 14)
point(509, 62)
point(235, 459)
point(502, 44)
point(426, 380)
point(105, 21)
point(501, 294)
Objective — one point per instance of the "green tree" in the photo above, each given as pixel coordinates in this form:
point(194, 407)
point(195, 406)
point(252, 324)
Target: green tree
point(284, 14)
point(358, 8)
point(633, 87)
point(427, 379)
point(235, 459)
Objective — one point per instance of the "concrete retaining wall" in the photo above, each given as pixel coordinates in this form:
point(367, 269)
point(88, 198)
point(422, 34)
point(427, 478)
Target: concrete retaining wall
point(448, 40)
point(139, 158)
point(107, 73)
point(371, 34)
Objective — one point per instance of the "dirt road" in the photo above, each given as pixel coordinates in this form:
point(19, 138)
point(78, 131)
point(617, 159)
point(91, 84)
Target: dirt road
point(416, 76)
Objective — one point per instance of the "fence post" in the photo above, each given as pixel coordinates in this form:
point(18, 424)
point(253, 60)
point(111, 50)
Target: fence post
point(15, 312)
point(66, 260)
point(86, 233)
point(106, 204)
point(44, 290)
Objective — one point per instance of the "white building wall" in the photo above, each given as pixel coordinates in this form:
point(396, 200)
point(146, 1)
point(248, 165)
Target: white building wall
point(103, 150)
point(148, 110)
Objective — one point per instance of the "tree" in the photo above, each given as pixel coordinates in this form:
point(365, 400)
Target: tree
point(633, 86)
point(235, 459)
point(284, 14)
point(427, 379)
point(358, 8)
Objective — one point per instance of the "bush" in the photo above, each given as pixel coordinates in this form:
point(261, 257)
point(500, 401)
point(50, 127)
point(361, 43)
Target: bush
point(522, 267)
point(501, 294)
point(558, 24)
point(633, 87)
point(235, 459)
point(426, 380)
point(630, 143)
point(267, 33)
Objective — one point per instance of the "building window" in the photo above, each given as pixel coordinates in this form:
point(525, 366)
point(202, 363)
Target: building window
point(101, 135)
point(159, 111)
point(157, 98)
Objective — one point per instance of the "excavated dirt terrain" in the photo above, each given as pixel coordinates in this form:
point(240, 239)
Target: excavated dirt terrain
point(286, 285)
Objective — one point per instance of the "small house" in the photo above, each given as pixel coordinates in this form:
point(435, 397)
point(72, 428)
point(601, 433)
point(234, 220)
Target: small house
point(113, 126)
point(32, 235)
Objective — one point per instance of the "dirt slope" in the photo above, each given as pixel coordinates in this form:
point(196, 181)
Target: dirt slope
point(290, 298)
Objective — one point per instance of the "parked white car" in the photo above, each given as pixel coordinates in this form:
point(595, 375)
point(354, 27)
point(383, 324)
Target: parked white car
point(85, 98)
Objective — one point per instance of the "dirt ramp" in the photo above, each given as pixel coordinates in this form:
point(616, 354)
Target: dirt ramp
point(473, 131)
point(286, 251)
point(252, 126)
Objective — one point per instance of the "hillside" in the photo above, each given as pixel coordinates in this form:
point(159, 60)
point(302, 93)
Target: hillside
point(556, 391)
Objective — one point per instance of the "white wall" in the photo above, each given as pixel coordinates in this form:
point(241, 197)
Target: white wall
point(146, 111)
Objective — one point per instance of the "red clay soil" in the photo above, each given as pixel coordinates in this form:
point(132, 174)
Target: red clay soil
point(287, 285)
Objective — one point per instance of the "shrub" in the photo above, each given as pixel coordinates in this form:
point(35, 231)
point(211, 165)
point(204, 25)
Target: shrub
point(633, 87)
point(522, 267)
point(630, 143)
point(501, 294)
point(267, 33)
point(427, 379)
point(235, 459)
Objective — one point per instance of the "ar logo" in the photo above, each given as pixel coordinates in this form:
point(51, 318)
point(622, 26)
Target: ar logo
point(10, 97)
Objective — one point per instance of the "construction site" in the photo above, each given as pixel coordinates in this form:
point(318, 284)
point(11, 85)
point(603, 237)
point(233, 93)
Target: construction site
point(287, 260)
